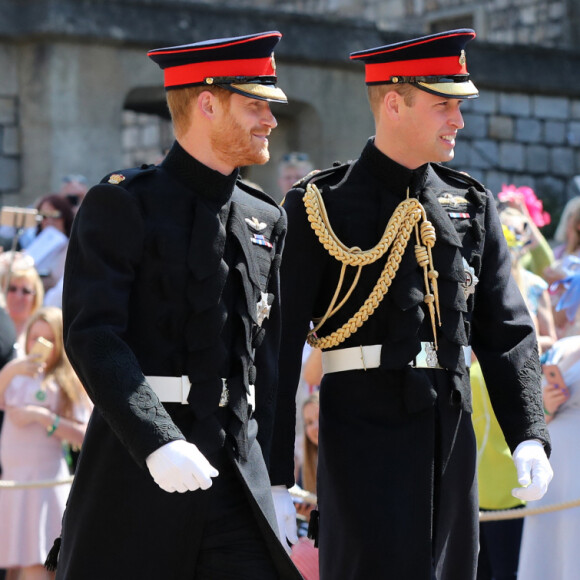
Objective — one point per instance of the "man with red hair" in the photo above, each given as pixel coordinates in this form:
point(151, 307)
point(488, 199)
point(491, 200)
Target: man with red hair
point(172, 323)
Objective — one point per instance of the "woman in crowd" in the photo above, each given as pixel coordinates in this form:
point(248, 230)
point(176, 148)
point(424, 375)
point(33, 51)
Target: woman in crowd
point(22, 286)
point(44, 405)
point(567, 263)
point(496, 473)
point(534, 289)
point(538, 253)
point(304, 554)
point(55, 212)
point(567, 234)
point(550, 540)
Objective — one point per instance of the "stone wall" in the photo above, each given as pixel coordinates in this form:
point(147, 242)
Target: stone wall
point(552, 23)
point(77, 93)
point(522, 139)
point(536, 22)
point(10, 178)
point(145, 138)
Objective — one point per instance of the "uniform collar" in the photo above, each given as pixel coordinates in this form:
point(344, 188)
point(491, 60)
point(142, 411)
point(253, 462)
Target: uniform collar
point(396, 177)
point(211, 184)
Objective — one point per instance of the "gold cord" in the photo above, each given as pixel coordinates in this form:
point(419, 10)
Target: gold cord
point(397, 233)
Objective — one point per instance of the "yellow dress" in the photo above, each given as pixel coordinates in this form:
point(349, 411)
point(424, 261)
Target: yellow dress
point(496, 472)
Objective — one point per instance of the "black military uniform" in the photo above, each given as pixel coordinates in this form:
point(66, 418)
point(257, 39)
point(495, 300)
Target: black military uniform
point(396, 470)
point(172, 271)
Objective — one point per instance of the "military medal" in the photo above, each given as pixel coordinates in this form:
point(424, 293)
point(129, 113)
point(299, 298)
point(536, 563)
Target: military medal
point(261, 240)
point(263, 308)
point(470, 280)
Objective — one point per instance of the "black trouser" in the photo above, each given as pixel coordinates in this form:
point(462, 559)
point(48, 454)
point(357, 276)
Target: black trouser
point(230, 545)
point(499, 551)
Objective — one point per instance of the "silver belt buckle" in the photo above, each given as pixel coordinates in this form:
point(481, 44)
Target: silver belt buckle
point(225, 396)
point(427, 357)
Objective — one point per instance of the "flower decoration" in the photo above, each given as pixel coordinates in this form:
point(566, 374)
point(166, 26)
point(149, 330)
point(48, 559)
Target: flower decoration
point(535, 207)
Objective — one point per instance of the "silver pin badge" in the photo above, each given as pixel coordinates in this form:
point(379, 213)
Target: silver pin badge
point(263, 308)
point(470, 280)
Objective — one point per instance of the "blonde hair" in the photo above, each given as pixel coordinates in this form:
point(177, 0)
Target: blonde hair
point(571, 208)
point(22, 268)
point(310, 461)
point(60, 370)
point(517, 269)
point(573, 243)
point(179, 103)
point(376, 94)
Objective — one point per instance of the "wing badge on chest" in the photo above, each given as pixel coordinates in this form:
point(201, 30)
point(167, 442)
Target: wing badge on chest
point(255, 226)
point(454, 205)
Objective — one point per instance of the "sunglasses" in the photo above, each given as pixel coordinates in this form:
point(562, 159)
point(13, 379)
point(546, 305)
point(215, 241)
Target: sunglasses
point(21, 290)
point(50, 214)
point(294, 157)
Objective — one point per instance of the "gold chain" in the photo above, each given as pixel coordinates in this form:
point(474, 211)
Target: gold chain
point(397, 233)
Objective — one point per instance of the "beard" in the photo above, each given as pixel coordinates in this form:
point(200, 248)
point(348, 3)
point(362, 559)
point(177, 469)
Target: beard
point(235, 144)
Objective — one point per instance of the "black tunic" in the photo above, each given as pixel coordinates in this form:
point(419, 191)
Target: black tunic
point(396, 472)
point(162, 278)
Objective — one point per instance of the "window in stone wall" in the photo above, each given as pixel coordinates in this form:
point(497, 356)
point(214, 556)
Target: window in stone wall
point(146, 138)
point(147, 131)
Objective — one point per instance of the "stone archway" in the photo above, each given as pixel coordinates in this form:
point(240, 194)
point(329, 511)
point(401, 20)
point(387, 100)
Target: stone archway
point(147, 132)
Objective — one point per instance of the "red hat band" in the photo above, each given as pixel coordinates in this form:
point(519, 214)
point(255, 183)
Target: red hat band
point(441, 66)
point(197, 72)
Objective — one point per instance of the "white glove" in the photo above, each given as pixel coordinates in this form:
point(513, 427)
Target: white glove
point(180, 466)
point(534, 470)
point(285, 515)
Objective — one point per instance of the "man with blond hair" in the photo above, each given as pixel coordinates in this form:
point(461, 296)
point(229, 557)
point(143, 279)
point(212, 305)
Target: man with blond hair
point(401, 266)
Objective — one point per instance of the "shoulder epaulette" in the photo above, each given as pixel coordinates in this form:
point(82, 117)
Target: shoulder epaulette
point(125, 176)
point(333, 174)
point(458, 175)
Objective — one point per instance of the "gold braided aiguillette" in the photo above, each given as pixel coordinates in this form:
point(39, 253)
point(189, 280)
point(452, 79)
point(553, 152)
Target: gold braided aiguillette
point(397, 233)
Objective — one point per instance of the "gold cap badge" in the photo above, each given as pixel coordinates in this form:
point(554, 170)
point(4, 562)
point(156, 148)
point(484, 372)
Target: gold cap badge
point(462, 59)
point(116, 178)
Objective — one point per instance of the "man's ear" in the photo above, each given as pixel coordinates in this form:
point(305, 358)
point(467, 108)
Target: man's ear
point(391, 103)
point(206, 103)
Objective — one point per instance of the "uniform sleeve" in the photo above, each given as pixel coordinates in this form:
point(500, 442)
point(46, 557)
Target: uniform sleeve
point(300, 274)
point(105, 248)
point(504, 341)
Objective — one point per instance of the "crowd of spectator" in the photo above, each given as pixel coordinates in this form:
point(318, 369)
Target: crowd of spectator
point(43, 408)
point(46, 410)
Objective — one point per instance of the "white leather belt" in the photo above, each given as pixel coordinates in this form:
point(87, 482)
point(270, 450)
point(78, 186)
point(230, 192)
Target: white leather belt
point(176, 390)
point(369, 357)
